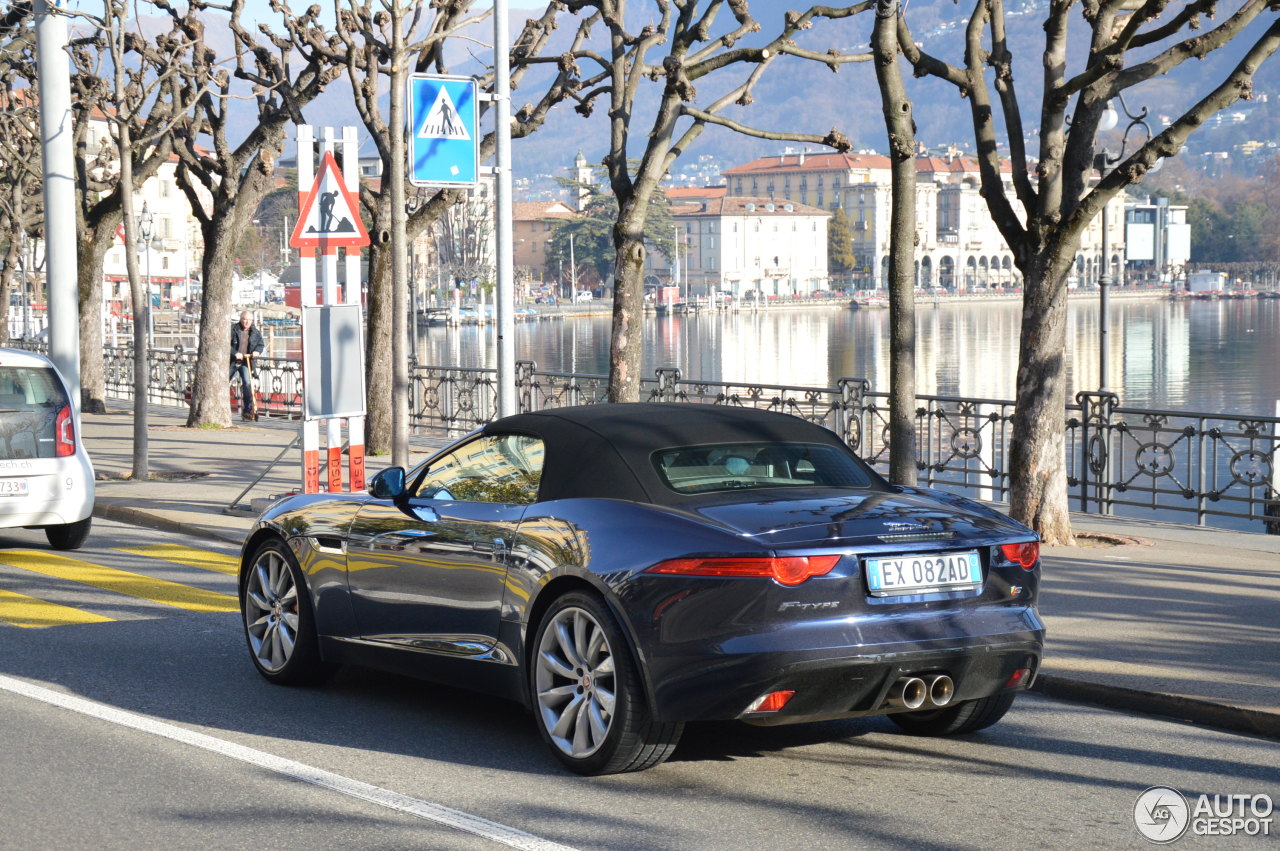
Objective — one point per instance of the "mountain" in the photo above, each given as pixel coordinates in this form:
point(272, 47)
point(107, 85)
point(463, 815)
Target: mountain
point(807, 97)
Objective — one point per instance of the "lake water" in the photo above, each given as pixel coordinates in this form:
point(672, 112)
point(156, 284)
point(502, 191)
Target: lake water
point(1218, 357)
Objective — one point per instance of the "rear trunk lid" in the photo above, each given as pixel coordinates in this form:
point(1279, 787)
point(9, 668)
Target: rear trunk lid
point(860, 519)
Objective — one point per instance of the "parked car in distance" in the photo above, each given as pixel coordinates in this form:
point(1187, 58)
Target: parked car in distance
point(624, 569)
point(46, 478)
point(585, 295)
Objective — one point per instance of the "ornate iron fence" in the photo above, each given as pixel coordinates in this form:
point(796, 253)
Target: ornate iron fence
point(1165, 464)
point(172, 374)
point(1209, 465)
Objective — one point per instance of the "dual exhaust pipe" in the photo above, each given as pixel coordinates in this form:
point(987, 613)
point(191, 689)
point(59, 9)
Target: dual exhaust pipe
point(914, 692)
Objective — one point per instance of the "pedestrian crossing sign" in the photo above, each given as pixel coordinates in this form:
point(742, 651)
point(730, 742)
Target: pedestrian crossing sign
point(329, 218)
point(445, 143)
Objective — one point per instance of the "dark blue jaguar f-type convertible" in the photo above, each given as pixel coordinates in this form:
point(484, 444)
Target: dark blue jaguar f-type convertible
point(624, 569)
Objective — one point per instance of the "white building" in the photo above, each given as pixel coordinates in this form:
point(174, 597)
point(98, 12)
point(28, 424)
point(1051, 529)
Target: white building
point(1157, 240)
point(958, 245)
point(747, 245)
point(169, 240)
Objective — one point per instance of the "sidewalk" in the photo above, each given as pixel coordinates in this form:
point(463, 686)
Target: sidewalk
point(1185, 623)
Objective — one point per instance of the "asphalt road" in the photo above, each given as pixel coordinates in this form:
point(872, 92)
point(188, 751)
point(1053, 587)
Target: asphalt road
point(1050, 775)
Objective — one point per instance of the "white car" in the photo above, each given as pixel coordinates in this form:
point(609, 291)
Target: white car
point(46, 479)
point(585, 295)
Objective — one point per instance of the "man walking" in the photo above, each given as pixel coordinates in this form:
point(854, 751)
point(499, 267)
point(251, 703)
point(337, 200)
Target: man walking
point(246, 342)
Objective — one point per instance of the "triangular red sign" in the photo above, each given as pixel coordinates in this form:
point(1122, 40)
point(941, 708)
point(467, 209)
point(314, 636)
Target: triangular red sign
point(330, 214)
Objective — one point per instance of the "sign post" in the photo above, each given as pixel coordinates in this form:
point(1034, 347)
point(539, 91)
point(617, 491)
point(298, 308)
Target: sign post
point(332, 338)
point(445, 142)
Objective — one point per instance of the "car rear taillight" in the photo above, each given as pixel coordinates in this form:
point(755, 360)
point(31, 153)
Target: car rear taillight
point(786, 570)
point(1026, 554)
point(64, 433)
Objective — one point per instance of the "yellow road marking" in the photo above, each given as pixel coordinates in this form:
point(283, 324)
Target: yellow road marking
point(120, 581)
point(21, 610)
point(190, 556)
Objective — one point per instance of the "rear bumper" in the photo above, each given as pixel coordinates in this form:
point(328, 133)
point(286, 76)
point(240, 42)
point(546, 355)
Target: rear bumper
point(60, 493)
point(839, 681)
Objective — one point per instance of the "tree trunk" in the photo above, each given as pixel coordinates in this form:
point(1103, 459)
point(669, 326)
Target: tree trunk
point(902, 239)
point(378, 341)
point(626, 347)
point(210, 398)
point(89, 261)
point(1038, 461)
point(8, 273)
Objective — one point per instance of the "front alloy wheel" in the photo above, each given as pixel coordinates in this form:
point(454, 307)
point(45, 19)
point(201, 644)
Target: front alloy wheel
point(590, 706)
point(278, 621)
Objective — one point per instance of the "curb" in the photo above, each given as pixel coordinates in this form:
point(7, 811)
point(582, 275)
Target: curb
point(138, 517)
point(1235, 719)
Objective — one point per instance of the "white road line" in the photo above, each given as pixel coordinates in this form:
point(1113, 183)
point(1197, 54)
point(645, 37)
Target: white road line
point(457, 819)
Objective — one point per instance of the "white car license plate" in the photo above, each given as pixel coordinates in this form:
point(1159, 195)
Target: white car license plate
point(13, 487)
point(918, 574)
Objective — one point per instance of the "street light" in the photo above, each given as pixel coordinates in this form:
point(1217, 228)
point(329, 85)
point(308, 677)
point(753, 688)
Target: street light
point(1103, 161)
point(145, 221)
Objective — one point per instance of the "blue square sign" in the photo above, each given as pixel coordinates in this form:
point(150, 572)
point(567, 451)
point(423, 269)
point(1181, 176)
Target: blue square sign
point(444, 145)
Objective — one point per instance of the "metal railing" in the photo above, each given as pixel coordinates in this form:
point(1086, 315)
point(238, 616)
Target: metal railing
point(1173, 465)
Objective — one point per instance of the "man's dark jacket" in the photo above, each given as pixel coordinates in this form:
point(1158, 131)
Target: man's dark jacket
point(256, 343)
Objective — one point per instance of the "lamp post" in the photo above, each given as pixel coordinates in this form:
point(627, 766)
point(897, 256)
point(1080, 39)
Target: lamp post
point(1103, 161)
point(145, 221)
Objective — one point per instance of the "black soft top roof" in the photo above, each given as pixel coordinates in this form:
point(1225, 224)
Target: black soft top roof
point(603, 451)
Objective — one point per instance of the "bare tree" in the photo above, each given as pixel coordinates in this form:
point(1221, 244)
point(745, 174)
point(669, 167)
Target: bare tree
point(143, 110)
point(1062, 198)
point(21, 185)
point(372, 39)
point(689, 52)
point(902, 243)
point(225, 181)
point(146, 112)
point(464, 237)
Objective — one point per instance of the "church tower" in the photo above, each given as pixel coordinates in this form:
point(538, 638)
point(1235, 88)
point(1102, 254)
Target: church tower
point(583, 174)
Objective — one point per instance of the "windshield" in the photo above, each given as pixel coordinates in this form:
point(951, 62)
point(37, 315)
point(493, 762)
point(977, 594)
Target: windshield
point(734, 466)
point(31, 398)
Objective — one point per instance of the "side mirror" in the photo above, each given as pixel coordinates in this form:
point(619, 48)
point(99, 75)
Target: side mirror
point(388, 484)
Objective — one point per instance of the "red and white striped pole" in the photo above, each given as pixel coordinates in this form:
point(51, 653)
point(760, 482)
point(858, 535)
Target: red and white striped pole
point(307, 295)
point(352, 292)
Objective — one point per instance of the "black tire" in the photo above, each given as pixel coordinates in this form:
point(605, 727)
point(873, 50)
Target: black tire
point(967, 716)
point(279, 625)
point(68, 536)
point(587, 696)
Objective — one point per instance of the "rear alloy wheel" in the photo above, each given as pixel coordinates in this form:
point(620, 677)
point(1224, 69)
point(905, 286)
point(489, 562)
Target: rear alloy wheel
point(278, 621)
point(587, 695)
point(68, 536)
point(967, 716)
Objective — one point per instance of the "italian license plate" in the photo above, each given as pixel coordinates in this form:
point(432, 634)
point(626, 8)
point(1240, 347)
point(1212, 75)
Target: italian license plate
point(920, 574)
point(13, 487)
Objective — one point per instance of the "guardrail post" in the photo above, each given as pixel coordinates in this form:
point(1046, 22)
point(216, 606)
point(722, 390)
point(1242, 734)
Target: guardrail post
point(525, 401)
point(1271, 508)
point(668, 378)
point(1095, 447)
point(850, 409)
point(415, 412)
point(986, 451)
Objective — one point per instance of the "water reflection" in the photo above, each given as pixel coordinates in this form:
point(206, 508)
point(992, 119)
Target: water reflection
point(1218, 357)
